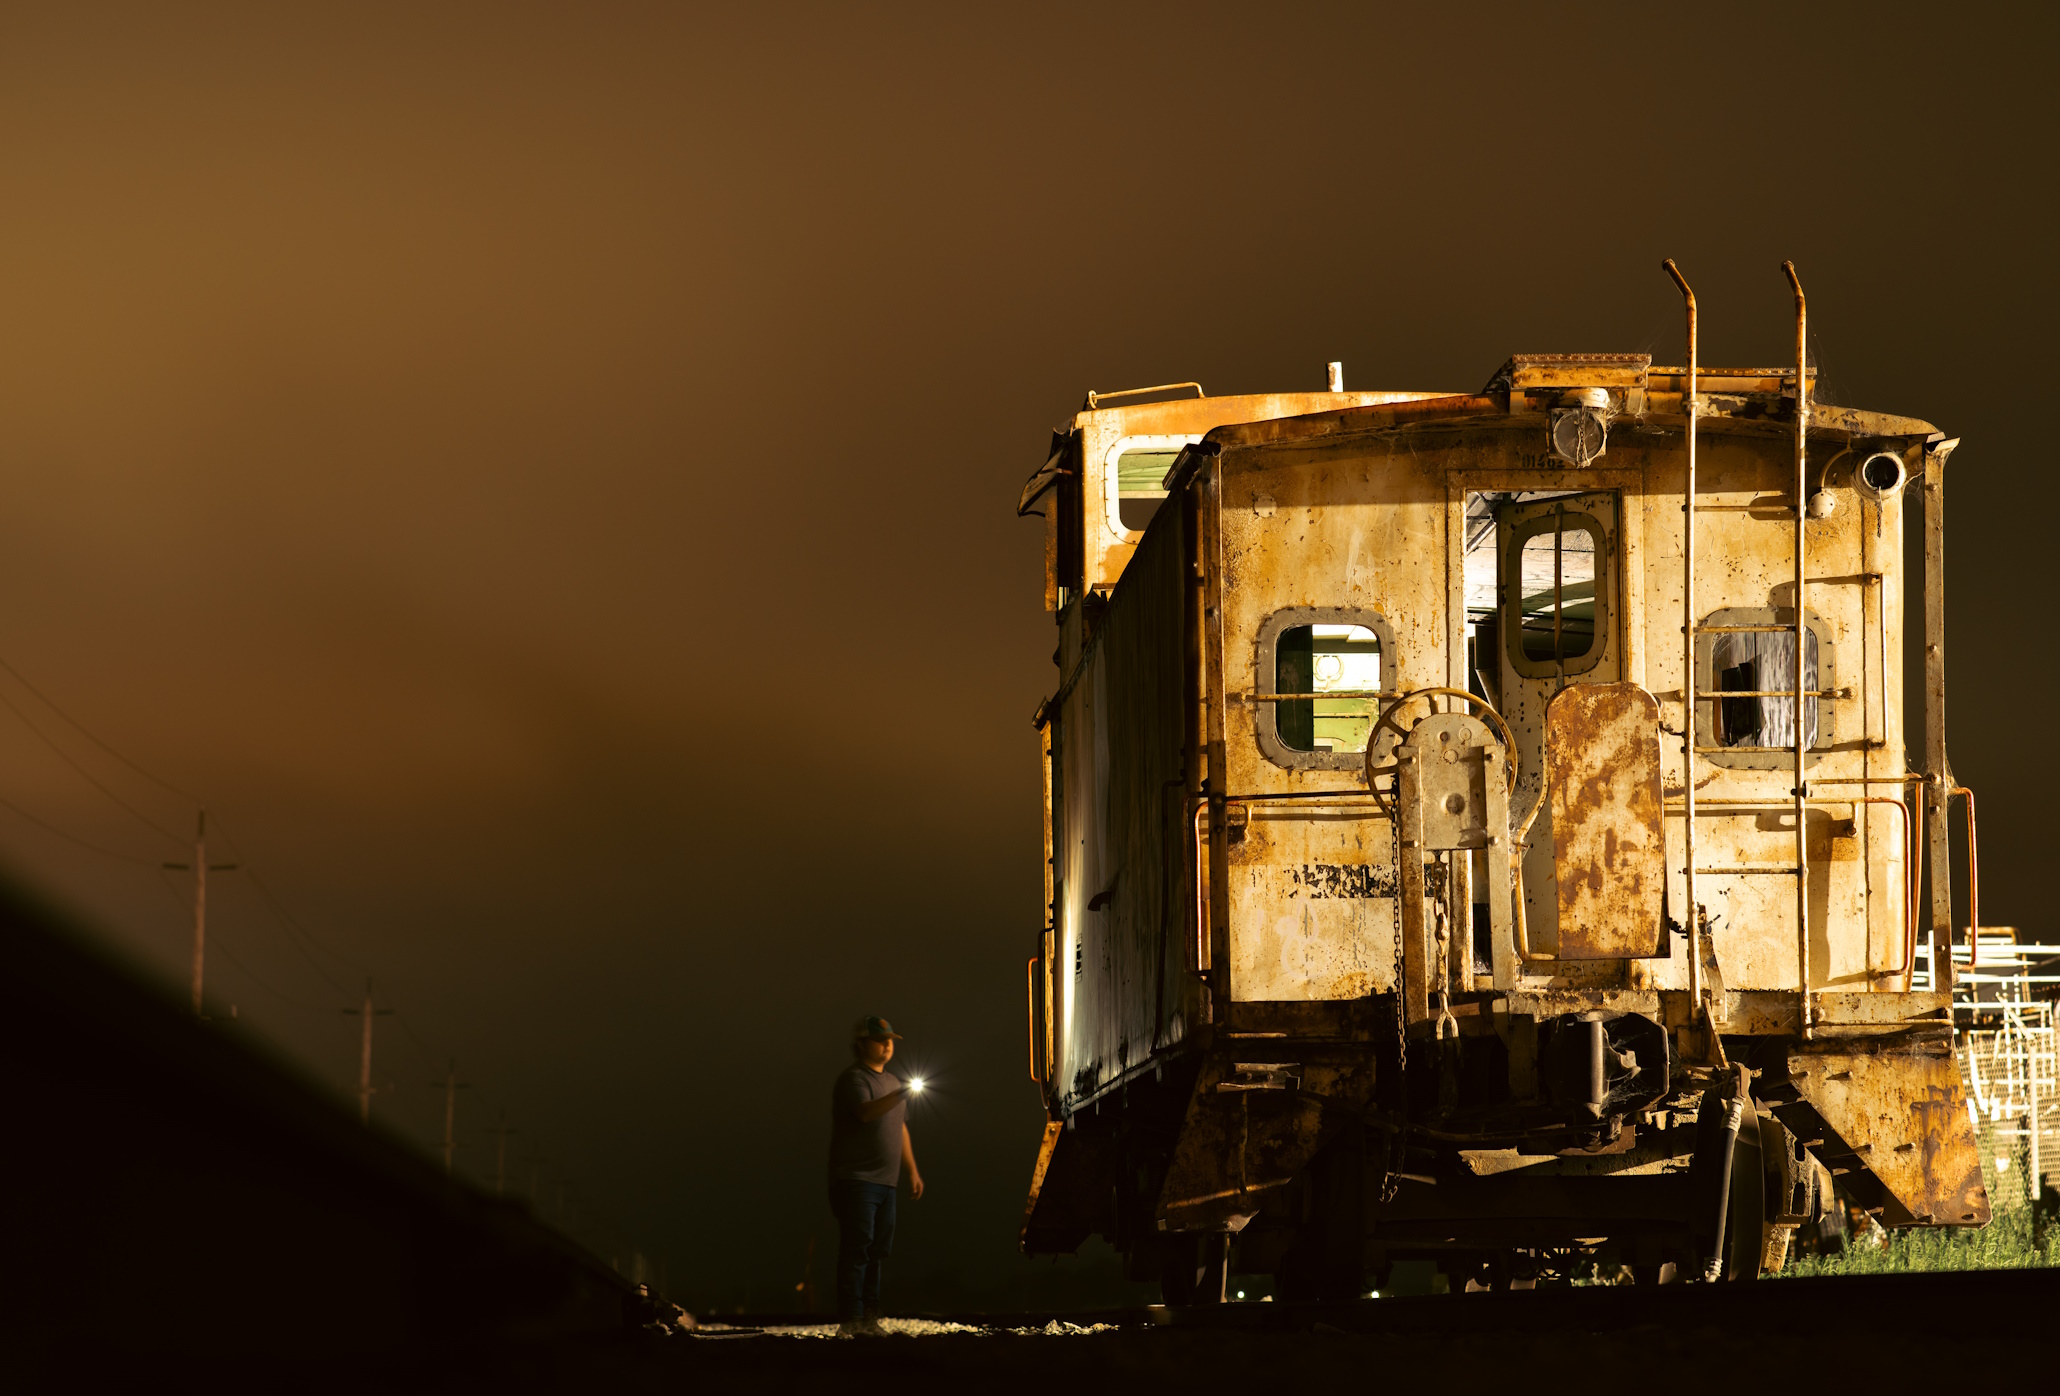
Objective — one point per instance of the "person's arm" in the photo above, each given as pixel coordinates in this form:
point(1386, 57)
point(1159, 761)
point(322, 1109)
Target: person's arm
point(871, 1110)
point(908, 1161)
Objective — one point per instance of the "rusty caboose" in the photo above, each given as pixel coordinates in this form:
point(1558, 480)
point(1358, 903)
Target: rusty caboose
point(1480, 828)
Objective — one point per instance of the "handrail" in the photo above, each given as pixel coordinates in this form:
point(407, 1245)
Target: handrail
point(1802, 646)
point(1030, 988)
point(1973, 879)
point(1691, 706)
point(1909, 825)
point(1095, 399)
point(1909, 969)
point(1202, 965)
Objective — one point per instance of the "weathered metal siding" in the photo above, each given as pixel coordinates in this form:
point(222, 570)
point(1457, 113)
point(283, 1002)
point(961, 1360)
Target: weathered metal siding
point(1107, 548)
point(1746, 560)
point(1124, 886)
point(1311, 893)
point(1365, 521)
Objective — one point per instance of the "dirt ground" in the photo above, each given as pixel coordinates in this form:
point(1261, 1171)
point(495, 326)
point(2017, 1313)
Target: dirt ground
point(1896, 1330)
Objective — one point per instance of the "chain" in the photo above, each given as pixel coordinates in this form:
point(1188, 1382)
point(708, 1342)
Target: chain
point(1390, 1182)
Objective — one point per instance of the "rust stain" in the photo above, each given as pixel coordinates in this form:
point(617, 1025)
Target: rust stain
point(1321, 881)
point(1878, 1098)
point(1602, 757)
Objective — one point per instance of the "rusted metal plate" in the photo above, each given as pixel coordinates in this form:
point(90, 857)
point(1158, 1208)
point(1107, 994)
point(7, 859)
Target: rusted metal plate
point(1578, 370)
point(1313, 904)
point(1609, 853)
point(1251, 1127)
point(1893, 1124)
point(1069, 1191)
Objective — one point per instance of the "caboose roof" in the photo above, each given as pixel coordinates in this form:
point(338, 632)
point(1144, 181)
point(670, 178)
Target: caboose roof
point(1527, 386)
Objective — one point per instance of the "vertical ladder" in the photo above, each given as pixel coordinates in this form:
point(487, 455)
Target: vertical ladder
point(1801, 790)
point(1692, 406)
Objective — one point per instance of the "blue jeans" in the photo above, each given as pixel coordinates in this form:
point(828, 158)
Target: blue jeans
point(865, 1238)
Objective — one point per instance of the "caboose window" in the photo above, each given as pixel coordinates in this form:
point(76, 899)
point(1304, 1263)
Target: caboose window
point(1135, 470)
point(1741, 652)
point(1317, 659)
point(1140, 485)
point(1318, 681)
point(1555, 585)
point(1759, 664)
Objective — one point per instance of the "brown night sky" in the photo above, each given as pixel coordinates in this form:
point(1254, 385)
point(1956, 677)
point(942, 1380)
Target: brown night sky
point(545, 477)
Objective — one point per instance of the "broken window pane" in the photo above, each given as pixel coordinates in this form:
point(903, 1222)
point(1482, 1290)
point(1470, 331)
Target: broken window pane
point(1556, 594)
point(1760, 663)
point(1317, 659)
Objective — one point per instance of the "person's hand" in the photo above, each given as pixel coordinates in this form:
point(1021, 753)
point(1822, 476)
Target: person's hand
point(915, 1186)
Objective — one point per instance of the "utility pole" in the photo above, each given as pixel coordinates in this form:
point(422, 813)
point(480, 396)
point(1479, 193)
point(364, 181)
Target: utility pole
point(200, 868)
point(451, 1086)
point(501, 1132)
point(365, 1015)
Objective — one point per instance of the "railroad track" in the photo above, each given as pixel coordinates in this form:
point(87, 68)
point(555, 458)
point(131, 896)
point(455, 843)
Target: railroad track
point(1892, 1330)
point(1999, 1297)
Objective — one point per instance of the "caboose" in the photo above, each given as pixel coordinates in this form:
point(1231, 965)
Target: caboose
point(1482, 828)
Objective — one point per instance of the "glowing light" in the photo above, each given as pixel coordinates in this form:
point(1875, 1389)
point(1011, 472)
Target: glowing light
point(916, 1086)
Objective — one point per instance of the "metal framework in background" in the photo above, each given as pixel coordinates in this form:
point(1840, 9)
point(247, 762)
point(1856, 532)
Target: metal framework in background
point(2007, 1059)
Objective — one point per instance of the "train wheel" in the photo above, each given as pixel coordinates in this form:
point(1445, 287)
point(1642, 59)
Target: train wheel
point(1745, 1220)
point(1729, 1178)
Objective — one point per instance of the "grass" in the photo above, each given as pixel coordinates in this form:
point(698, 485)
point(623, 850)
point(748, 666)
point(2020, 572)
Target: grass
point(2009, 1242)
point(2017, 1238)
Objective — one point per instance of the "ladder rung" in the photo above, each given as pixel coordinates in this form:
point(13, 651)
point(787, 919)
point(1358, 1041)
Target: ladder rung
point(1757, 750)
point(1788, 629)
point(1772, 693)
point(1739, 872)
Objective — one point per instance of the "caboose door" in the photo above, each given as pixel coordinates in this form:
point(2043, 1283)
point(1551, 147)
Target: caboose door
point(1558, 622)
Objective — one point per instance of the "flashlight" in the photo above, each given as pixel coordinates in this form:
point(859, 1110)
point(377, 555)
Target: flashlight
point(915, 1086)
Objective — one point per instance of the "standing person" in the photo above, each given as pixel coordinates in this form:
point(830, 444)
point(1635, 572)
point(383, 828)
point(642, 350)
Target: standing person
point(869, 1146)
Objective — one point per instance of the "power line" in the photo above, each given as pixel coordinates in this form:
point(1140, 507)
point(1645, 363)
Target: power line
point(286, 917)
point(89, 777)
point(278, 908)
point(302, 939)
point(254, 978)
point(45, 824)
point(415, 1037)
point(299, 949)
point(230, 955)
point(83, 731)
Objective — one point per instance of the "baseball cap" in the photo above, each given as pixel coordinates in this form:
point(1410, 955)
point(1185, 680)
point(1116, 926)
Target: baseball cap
point(879, 1029)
